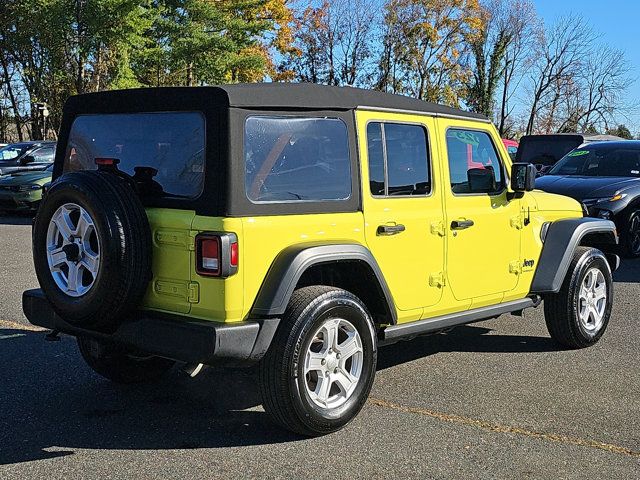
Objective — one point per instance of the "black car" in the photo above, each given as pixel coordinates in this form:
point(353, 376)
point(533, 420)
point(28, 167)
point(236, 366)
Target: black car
point(18, 157)
point(605, 177)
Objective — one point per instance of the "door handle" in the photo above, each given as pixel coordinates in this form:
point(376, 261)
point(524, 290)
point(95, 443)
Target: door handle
point(390, 229)
point(461, 224)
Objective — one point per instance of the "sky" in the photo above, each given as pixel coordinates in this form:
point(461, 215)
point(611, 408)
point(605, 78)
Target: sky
point(618, 22)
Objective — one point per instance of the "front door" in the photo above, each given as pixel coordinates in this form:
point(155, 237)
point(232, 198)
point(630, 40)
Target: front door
point(402, 207)
point(483, 223)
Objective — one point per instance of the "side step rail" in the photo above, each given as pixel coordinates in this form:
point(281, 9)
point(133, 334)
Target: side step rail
point(395, 333)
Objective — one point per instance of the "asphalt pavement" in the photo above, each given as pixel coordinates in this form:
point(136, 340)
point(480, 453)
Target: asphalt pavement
point(491, 400)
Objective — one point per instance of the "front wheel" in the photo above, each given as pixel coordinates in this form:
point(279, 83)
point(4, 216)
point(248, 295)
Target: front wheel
point(116, 363)
point(319, 370)
point(630, 240)
point(577, 316)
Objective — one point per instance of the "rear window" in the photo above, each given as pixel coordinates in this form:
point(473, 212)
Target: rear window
point(546, 150)
point(163, 152)
point(290, 159)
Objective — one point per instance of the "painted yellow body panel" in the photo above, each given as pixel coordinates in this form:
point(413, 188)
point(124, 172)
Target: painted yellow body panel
point(430, 269)
point(172, 266)
point(265, 237)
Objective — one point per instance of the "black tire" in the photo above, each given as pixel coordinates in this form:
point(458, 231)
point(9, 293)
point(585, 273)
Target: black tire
point(282, 378)
point(120, 365)
point(561, 310)
point(124, 236)
point(630, 238)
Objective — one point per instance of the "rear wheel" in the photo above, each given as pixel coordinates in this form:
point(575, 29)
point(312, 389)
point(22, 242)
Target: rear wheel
point(120, 365)
point(577, 316)
point(320, 368)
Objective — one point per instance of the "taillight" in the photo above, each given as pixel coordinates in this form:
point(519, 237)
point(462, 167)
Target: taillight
point(216, 254)
point(107, 162)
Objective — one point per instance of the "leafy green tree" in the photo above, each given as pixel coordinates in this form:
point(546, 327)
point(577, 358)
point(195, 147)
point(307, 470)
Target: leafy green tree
point(208, 42)
point(621, 131)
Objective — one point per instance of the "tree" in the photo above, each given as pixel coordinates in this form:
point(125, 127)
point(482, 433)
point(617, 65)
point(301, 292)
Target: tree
point(560, 54)
point(196, 42)
point(488, 50)
point(333, 43)
point(425, 43)
point(621, 131)
point(90, 45)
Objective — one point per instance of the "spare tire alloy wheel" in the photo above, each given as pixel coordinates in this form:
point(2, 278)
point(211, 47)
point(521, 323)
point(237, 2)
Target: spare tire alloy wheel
point(73, 250)
point(92, 249)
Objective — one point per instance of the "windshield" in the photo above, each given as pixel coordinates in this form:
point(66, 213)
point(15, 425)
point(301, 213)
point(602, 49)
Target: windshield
point(11, 152)
point(612, 160)
point(162, 152)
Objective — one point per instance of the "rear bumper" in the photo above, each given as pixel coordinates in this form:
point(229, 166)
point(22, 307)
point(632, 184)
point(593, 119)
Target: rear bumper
point(179, 338)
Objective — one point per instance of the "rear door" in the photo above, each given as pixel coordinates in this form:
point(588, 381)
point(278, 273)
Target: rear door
point(402, 207)
point(483, 224)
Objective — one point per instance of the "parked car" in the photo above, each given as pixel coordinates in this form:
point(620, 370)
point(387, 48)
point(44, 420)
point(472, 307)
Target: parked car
point(300, 227)
point(512, 147)
point(544, 151)
point(605, 178)
point(22, 191)
point(23, 156)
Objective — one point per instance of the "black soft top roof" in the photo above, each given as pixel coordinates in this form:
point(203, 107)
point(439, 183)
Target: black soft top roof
point(304, 96)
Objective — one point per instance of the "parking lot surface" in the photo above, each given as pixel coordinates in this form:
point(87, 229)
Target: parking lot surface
point(490, 400)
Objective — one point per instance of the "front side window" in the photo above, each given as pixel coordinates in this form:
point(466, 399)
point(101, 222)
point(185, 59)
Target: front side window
point(398, 159)
point(296, 159)
point(474, 165)
point(44, 155)
point(162, 152)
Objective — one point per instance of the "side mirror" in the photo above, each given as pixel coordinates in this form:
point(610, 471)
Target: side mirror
point(523, 177)
point(27, 159)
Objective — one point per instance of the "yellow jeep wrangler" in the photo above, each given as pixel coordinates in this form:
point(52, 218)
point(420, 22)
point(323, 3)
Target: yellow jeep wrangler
point(298, 227)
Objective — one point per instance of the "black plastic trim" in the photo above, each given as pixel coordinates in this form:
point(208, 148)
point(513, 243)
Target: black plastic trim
point(395, 333)
point(291, 263)
point(560, 243)
point(172, 336)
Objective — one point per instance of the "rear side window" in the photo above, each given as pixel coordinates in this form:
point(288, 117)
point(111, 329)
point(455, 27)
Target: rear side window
point(163, 152)
point(474, 166)
point(289, 159)
point(398, 159)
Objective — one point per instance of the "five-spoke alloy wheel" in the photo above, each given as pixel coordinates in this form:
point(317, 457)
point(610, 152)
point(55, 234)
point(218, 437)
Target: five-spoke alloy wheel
point(578, 314)
point(320, 367)
point(592, 300)
point(73, 249)
point(333, 363)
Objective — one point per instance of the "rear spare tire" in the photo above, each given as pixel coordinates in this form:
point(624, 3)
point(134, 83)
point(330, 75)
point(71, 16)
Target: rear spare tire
point(92, 249)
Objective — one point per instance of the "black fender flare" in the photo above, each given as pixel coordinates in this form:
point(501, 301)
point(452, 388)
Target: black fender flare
point(560, 243)
point(290, 265)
